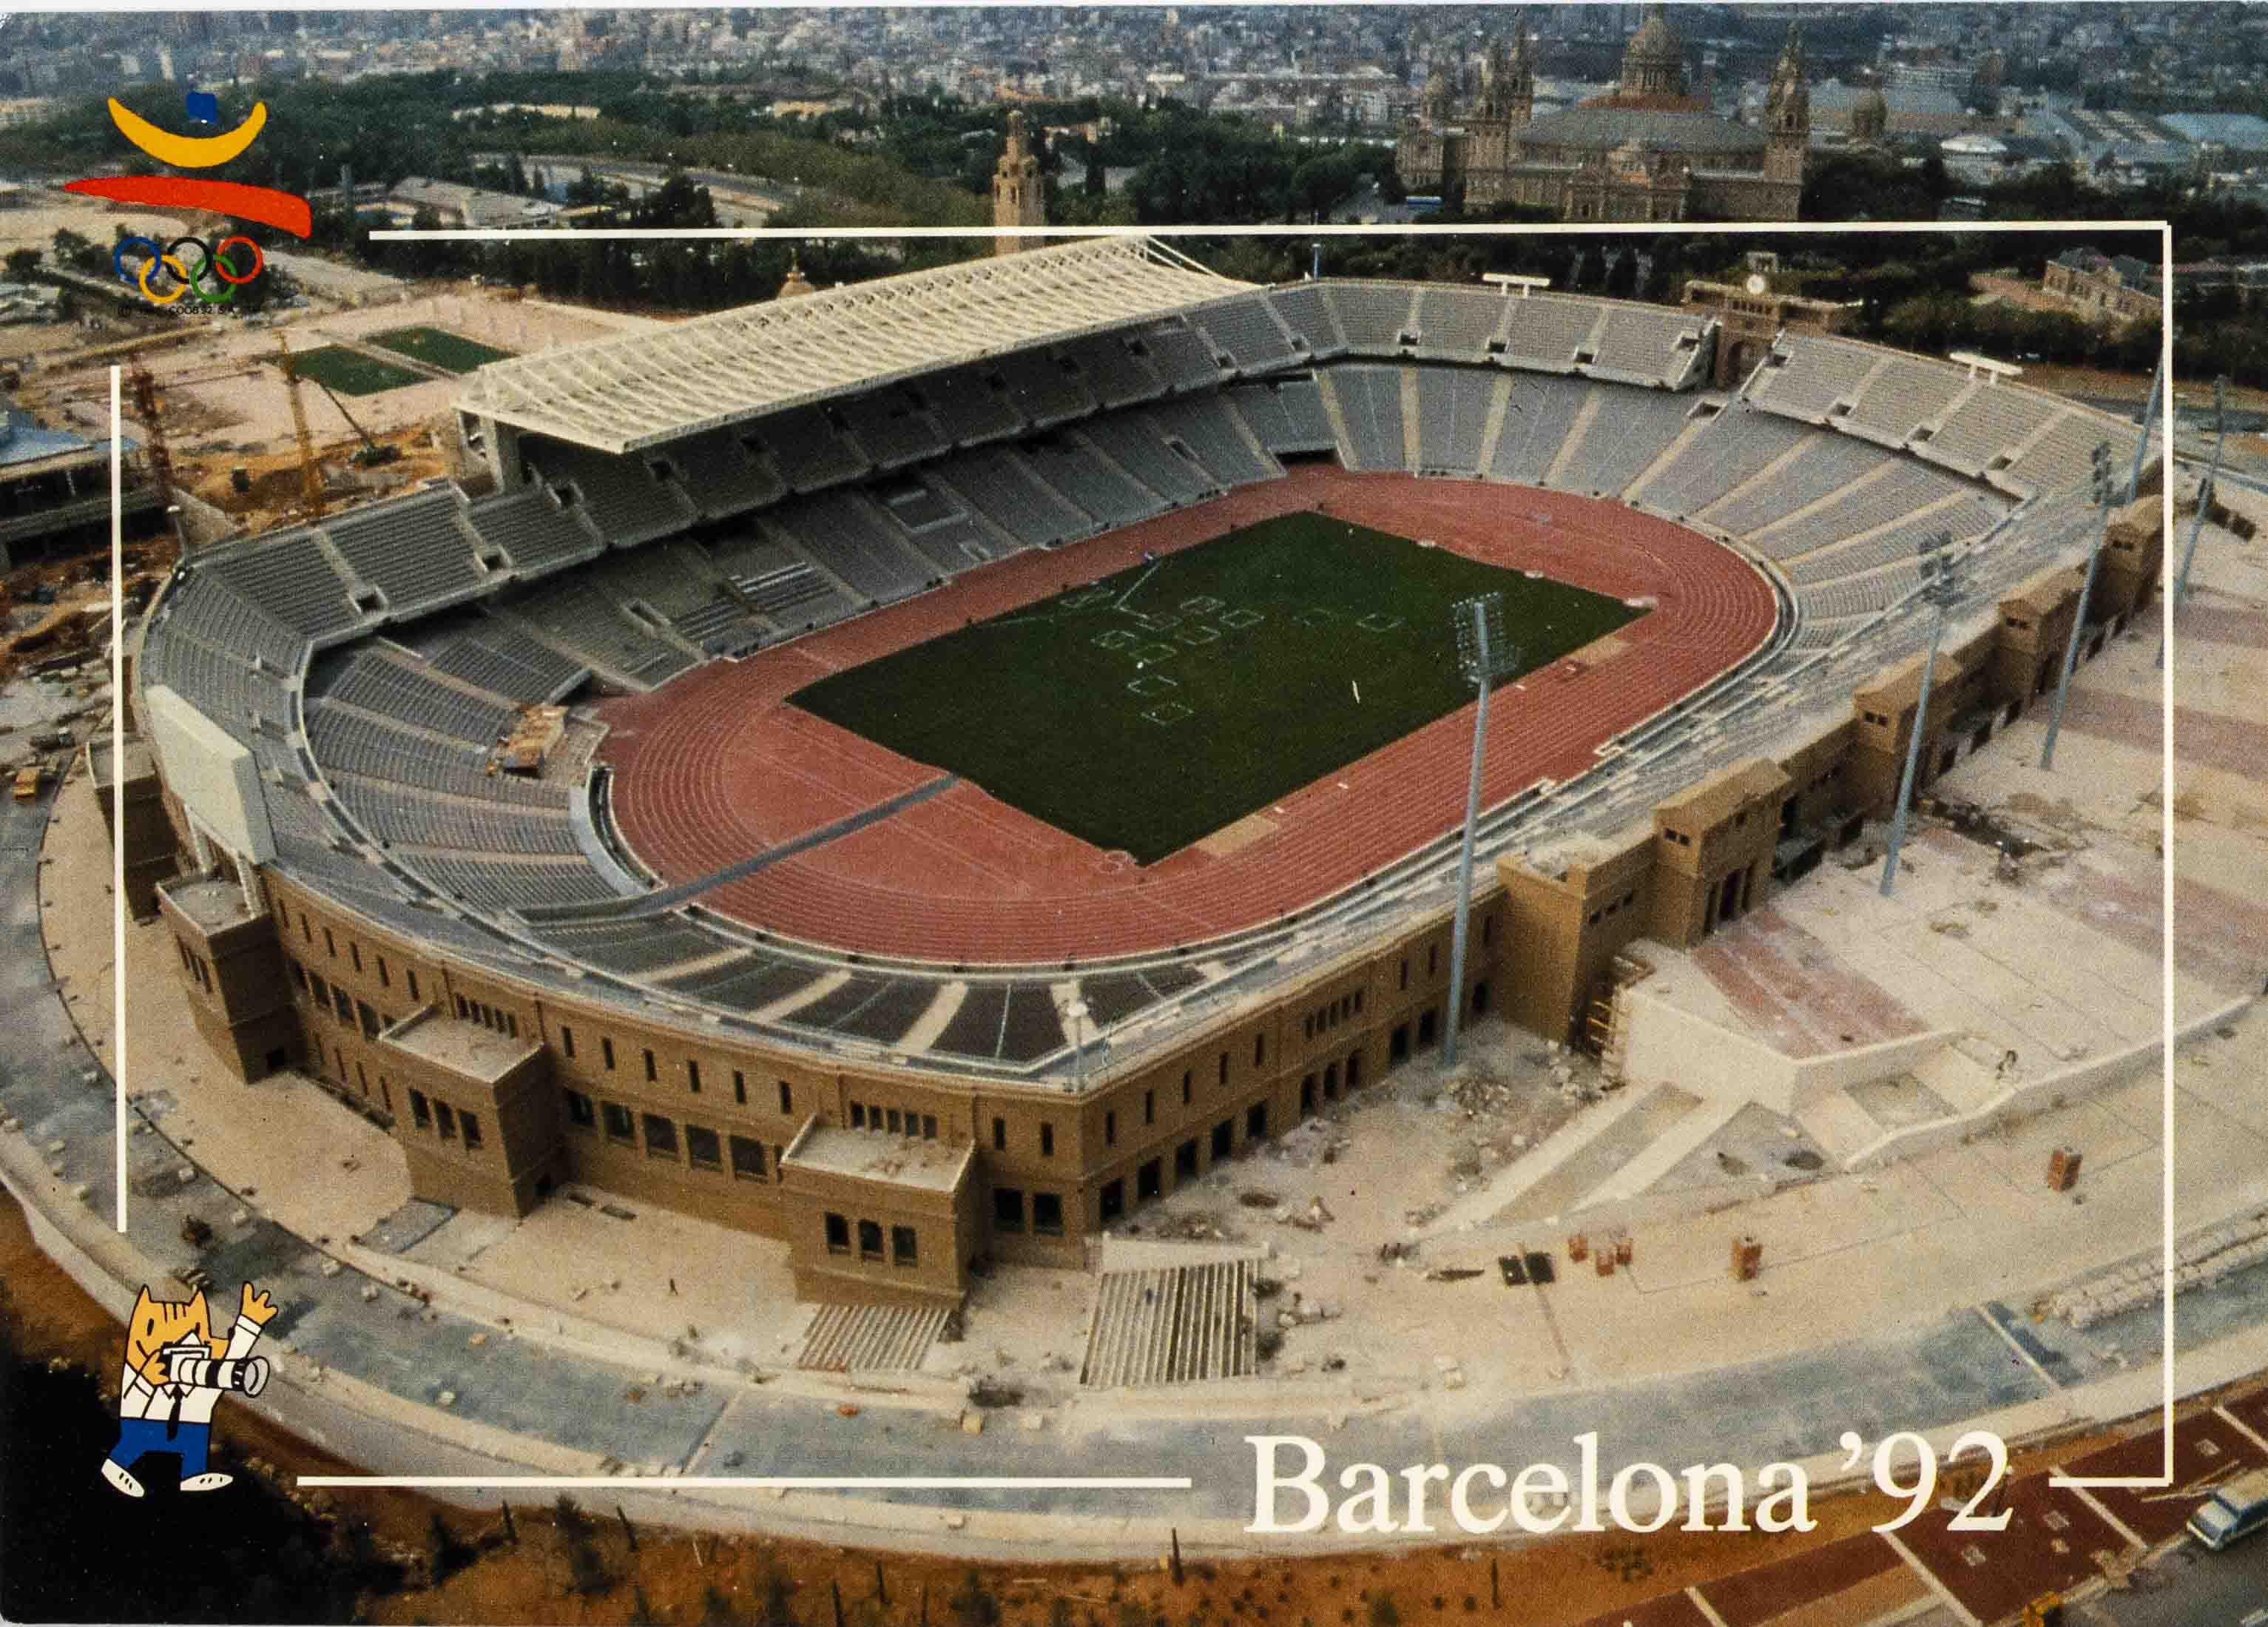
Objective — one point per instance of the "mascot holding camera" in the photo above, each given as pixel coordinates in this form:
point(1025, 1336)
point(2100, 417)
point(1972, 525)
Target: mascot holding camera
point(175, 1370)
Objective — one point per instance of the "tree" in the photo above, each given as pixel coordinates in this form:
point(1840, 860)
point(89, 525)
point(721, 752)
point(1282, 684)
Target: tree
point(22, 262)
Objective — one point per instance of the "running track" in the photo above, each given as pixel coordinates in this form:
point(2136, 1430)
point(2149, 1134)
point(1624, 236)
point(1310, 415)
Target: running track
point(716, 767)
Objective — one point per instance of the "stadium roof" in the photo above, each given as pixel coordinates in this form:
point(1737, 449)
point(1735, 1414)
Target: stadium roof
point(633, 391)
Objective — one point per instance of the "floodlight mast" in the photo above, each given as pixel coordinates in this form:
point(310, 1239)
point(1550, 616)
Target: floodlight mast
point(1485, 656)
point(2205, 502)
point(2103, 483)
point(1941, 588)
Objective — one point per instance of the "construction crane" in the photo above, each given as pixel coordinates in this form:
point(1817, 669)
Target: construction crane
point(373, 453)
point(311, 474)
point(143, 390)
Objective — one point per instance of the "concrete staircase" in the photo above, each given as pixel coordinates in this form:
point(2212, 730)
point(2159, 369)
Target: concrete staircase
point(892, 1338)
point(1174, 1324)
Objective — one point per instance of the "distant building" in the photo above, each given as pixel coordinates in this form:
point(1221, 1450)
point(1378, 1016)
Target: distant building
point(1020, 196)
point(2127, 288)
point(1750, 318)
point(1648, 151)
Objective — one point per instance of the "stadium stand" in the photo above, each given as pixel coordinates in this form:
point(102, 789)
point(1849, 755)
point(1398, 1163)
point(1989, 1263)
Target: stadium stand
point(574, 614)
point(2063, 455)
point(1987, 424)
point(1374, 316)
point(1902, 488)
point(417, 552)
point(1641, 345)
point(1209, 427)
point(892, 427)
point(1245, 330)
point(344, 740)
point(1902, 397)
point(502, 883)
point(499, 658)
point(1286, 417)
point(1806, 377)
point(780, 583)
point(967, 408)
point(204, 601)
point(1538, 418)
point(291, 579)
point(1043, 388)
point(1546, 331)
point(1624, 440)
point(1972, 517)
point(1184, 355)
point(1306, 313)
point(398, 816)
point(643, 946)
point(535, 534)
point(1825, 465)
point(1116, 376)
point(619, 495)
point(1131, 441)
point(724, 474)
point(672, 578)
point(1001, 486)
point(941, 534)
point(1452, 409)
point(1457, 323)
point(377, 683)
point(1738, 444)
point(844, 533)
point(1370, 405)
point(807, 448)
point(1105, 492)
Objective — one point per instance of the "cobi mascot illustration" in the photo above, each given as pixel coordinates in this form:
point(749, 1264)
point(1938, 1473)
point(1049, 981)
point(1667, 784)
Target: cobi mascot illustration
point(175, 1370)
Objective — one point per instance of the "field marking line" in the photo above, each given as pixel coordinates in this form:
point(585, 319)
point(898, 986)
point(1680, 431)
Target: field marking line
point(1142, 581)
point(1693, 1597)
point(1929, 1579)
point(2241, 1427)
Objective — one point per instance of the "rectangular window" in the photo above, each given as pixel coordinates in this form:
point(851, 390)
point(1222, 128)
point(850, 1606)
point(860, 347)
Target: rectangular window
point(660, 1136)
point(999, 1134)
point(446, 1121)
point(342, 1004)
point(1185, 1087)
point(411, 973)
point(1047, 1141)
point(362, 1078)
point(320, 990)
point(1149, 1107)
point(472, 1130)
point(838, 1235)
point(747, 1158)
point(858, 1115)
point(354, 950)
point(1110, 1130)
point(330, 944)
point(1259, 1048)
point(1047, 1214)
point(1224, 1067)
point(368, 1019)
point(606, 1052)
point(929, 1127)
point(306, 932)
point(893, 1118)
point(299, 972)
point(903, 1248)
point(567, 1041)
point(787, 1098)
point(1405, 971)
point(420, 1113)
point(188, 965)
point(650, 1076)
point(620, 1126)
point(1007, 1209)
point(702, 1147)
point(1433, 957)
point(580, 1111)
point(386, 1093)
point(464, 1012)
point(870, 1240)
point(739, 1087)
point(512, 1024)
point(693, 1075)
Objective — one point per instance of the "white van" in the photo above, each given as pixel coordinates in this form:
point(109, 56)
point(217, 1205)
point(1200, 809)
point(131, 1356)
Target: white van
point(2237, 1510)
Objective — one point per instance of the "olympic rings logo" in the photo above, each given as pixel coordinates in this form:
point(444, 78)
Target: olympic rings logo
point(164, 265)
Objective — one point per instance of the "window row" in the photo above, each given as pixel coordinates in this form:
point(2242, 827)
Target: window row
point(894, 1121)
point(488, 1016)
point(449, 1124)
point(905, 1247)
point(196, 965)
point(1323, 1018)
point(336, 1001)
point(354, 954)
point(700, 1146)
point(567, 1048)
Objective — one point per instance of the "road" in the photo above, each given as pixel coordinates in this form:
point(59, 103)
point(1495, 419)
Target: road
point(2194, 1589)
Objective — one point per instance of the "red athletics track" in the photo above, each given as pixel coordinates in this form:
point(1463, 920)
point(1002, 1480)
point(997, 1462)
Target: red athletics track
point(716, 767)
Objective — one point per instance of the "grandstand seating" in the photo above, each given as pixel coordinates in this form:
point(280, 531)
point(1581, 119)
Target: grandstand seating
point(414, 552)
point(1738, 444)
point(639, 947)
point(499, 658)
point(1902, 488)
point(892, 428)
point(1306, 313)
point(510, 883)
point(1286, 417)
point(1000, 486)
point(376, 683)
point(291, 579)
point(1374, 316)
point(228, 620)
point(806, 447)
point(1209, 427)
point(1986, 424)
point(844, 533)
point(724, 474)
point(1546, 330)
point(674, 578)
point(969, 409)
point(351, 742)
point(1184, 355)
point(1635, 428)
point(949, 540)
point(573, 613)
point(1131, 441)
point(1891, 543)
point(1826, 464)
point(1902, 397)
point(2063, 455)
point(1245, 329)
point(535, 534)
point(396, 816)
point(783, 585)
point(1457, 323)
point(1042, 389)
point(1370, 406)
point(619, 495)
point(1815, 375)
point(1107, 495)
point(1643, 345)
point(1538, 419)
point(1114, 375)
point(1452, 409)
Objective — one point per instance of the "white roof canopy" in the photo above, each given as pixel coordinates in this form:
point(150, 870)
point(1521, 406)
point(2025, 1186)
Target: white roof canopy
point(622, 394)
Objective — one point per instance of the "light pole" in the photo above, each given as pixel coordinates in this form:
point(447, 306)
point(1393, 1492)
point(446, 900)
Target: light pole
point(2205, 502)
point(1485, 656)
point(2103, 492)
point(1942, 589)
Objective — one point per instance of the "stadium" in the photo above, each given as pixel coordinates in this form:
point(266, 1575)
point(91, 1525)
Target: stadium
point(923, 770)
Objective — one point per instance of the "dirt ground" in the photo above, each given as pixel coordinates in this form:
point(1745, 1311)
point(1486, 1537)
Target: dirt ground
point(669, 1576)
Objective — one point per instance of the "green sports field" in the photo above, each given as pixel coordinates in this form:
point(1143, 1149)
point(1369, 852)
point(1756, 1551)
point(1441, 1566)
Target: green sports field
point(438, 348)
point(1149, 710)
point(350, 372)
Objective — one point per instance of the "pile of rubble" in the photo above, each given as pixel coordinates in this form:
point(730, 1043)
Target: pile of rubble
point(2202, 1258)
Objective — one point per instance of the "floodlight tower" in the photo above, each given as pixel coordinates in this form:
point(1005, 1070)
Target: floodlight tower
point(2104, 486)
point(1486, 657)
point(1942, 589)
point(2205, 502)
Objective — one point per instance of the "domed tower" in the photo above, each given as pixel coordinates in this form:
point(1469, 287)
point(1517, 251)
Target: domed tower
point(794, 285)
point(1787, 114)
point(1654, 64)
point(1508, 92)
point(1437, 103)
point(1020, 196)
point(1870, 120)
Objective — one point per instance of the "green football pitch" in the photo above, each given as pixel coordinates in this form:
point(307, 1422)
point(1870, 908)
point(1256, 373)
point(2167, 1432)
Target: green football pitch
point(1150, 708)
point(350, 372)
point(436, 348)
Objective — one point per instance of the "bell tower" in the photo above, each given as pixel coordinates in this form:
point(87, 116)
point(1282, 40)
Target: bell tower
point(1787, 114)
point(1020, 196)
